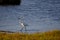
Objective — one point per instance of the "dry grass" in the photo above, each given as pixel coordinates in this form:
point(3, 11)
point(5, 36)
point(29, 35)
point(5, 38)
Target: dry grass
point(50, 35)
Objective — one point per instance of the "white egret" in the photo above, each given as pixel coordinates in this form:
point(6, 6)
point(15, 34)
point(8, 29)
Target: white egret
point(21, 22)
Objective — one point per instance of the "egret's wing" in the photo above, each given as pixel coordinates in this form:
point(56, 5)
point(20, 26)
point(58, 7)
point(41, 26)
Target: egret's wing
point(22, 24)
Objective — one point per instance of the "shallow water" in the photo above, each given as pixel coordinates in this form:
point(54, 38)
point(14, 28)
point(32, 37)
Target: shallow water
point(42, 15)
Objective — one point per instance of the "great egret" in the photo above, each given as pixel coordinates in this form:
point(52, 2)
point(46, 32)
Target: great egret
point(23, 25)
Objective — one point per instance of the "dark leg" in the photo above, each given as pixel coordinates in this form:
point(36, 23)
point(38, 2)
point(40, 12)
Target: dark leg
point(25, 30)
point(21, 29)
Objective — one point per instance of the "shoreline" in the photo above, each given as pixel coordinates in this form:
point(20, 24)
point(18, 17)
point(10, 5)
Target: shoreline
point(4, 31)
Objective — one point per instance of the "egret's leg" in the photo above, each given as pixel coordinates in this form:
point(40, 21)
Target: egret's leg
point(21, 29)
point(25, 30)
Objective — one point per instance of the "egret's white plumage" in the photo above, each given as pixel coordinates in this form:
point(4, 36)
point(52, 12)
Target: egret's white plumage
point(22, 24)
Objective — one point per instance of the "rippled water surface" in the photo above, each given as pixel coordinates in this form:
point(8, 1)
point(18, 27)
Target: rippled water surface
point(40, 15)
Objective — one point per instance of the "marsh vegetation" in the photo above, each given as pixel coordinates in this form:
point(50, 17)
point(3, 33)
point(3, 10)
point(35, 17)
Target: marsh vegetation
point(50, 35)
